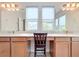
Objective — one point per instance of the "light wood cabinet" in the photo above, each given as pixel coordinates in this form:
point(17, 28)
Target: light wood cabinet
point(62, 47)
point(75, 47)
point(19, 47)
point(4, 47)
point(14, 46)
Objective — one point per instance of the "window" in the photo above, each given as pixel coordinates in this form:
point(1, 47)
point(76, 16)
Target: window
point(39, 19)
point(31, 19)
point(48, 13)
point(57, 24)
point(32, 13)
point(47, 18)
point(61, 23)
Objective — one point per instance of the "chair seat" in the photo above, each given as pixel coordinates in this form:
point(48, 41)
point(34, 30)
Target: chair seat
point(40, 45)
point(40, 54)
point(40, 49)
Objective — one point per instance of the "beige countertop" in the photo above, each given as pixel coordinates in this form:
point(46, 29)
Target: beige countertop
point(31, 35)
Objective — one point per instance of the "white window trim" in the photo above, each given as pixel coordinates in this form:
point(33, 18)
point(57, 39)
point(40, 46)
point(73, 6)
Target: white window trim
point(58, 27)
point(39, 27)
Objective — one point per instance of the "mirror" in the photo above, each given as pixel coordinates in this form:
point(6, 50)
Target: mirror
point(48, 17)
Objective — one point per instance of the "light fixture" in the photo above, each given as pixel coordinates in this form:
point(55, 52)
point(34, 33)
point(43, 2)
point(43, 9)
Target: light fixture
point(3, 5)
point(13, 5)
point(7, 6)
point(70, 6)
point(78, 5)
point(10, 7)
point(17, 9)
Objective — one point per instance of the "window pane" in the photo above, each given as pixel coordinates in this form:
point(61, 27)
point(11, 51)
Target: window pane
point(47, 26)
point(62, 21)
point(56, 25)
point(31, 13)
point(56, 22)
point(31, 26)
point(48, 13)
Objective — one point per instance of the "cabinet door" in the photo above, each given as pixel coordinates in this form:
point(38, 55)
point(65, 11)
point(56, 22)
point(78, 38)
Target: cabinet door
point(52, 48)
point(75, 49)
point(4, 49)
point(19, 49)
point(62, 49)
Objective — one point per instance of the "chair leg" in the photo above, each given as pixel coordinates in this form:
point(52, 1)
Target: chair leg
point(35, 53)
point(45, 52)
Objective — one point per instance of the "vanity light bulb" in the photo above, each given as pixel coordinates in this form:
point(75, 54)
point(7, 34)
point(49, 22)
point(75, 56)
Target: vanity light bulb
point(67, 9)
point(73, 5)
point(13, 9)
point(68, 5)
point(77, 5)
point(9, 9)
point(13, 5)
point(3, 5)
point(17, 9)
point(71, 9)
point(8, 5)
point(63, 8)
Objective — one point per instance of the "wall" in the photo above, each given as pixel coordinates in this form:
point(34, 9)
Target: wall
point(9, 20)
point(72, 20)
point(0, 18)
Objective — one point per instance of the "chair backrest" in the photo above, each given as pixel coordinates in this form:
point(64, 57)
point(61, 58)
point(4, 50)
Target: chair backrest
point(40, 38)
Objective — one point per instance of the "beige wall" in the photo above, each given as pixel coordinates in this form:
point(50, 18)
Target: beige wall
point(72, 20)
point(9, 20)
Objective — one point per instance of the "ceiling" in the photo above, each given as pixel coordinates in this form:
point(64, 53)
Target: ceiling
point(56, 5)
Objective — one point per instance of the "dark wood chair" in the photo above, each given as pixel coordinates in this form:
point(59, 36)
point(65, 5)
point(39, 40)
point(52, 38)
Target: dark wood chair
point(40, 43)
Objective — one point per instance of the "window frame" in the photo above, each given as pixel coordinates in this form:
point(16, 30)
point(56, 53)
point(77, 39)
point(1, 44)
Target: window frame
point(39, 21)
point(58, 27)
point(52, 20)
point(26, 20)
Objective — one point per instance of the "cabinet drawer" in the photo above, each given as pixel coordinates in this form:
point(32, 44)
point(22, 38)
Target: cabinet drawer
point(4, 39)
point(75, 39)
point(50, 38)
point(20, 39)
point(62, 39)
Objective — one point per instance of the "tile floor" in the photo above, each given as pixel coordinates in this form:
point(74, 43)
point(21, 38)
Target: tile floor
point(40, 54)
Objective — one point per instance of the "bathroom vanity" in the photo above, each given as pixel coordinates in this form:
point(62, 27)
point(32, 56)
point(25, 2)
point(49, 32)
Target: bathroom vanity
point(18, 45)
